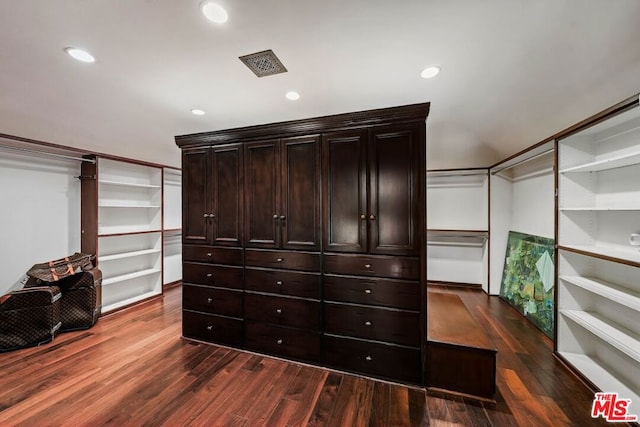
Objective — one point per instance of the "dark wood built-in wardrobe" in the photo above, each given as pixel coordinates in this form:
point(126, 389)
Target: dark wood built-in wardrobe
point(305, 240)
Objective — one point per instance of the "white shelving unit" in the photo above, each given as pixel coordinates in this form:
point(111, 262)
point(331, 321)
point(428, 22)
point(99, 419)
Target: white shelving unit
point(522, 200)
point(599, 272)
point(129, 232)
point(457, 226)
point(172, 217)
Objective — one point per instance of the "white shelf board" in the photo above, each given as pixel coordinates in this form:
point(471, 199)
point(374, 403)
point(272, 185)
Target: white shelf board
point(128, 184)
point(126, 205)
point(621, 254)
point(612, 292)
point(593, 369)
point(129, 276)
point(608, 208)
point(620, 338)
point(128, 254)
point(137, 229)
point(128, 301)
point(611, 163)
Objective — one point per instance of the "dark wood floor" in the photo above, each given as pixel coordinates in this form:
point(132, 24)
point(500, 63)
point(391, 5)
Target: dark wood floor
point(132, 368)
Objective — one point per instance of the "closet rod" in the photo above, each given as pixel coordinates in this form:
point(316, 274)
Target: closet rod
point(535, 156)
point(447, 174)
point(27, 150)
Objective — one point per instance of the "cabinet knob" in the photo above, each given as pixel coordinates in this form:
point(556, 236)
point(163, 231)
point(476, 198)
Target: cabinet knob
point(275, 216)
point(282, 217)
point(279, 282)
point(209, 300)
point(209, 254)
point(206, 215)
point(280, 259)
point(368, 358)
point(279, 342)
point(367, 323)
point(210, 328)
point(209, 274)
point(363, 216)
point(367, 266)
point(279, 310)
point(372, 217)
point(212, 215)
point(367, 291)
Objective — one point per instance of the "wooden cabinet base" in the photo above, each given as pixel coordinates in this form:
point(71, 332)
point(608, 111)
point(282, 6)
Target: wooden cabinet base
point(465, 370)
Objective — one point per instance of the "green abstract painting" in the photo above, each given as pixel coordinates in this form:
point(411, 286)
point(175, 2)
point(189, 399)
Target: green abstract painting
point(528, 278)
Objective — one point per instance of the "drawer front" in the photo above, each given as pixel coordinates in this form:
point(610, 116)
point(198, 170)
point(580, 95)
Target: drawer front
point(382, 292)
point(287, 260)
point(212, 328)
point(372, 265)
point(399, 327)
point(212, 275)
point(381, 360)
point(199, 253)
point(285, 342)
point(283, 311)
point(212, 300)
point(304, 285)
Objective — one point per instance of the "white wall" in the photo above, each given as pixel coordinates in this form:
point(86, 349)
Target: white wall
point(521, 200)
point(40, 213)
point(501, 216)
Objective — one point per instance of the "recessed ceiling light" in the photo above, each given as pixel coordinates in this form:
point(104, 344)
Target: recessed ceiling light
point(80, 55)
point(429, 72)
point(292, 95)
point(214, 12)
point(198, 112)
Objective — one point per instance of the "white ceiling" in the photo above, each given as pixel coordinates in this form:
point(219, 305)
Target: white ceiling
point(513, 71)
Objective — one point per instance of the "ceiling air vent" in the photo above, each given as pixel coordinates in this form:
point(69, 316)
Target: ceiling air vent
point(264, 63)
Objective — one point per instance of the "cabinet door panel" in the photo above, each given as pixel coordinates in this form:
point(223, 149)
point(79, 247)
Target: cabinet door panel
point(195, 193)
point(394, 157)
point(301, 193)
point(227, 195)
point(262, 194)
point(344, 191)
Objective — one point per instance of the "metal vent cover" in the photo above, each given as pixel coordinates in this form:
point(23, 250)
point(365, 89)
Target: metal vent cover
point(264, 63)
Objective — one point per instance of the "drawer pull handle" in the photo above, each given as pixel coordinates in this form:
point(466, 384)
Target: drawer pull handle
point(209, 274)
point(280, 259)
point(279, 342)
point(368, 358)
point(209, 300)
point(367, 291)
point(279, 282)
point(367, 266)
point(367, 323)
point(210, 328)
point(209, 254)
point(279, 310)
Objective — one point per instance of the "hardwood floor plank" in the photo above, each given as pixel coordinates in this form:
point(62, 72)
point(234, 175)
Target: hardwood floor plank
point(380, 405)
point(325, 404)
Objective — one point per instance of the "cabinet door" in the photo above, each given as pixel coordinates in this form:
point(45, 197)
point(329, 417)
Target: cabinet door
point(262, 194)
point(300, 220)
point(195, 196)
point(395, 156)
point(344, 191)
point(227, 200)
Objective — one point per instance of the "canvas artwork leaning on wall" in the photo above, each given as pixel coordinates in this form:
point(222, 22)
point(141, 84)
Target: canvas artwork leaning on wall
point(528, 278)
